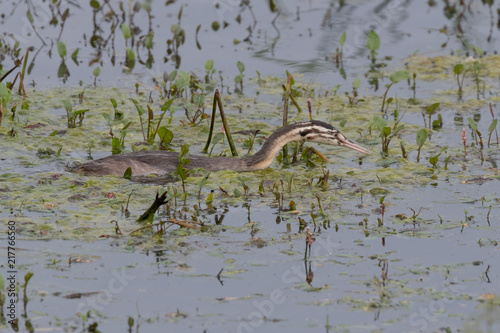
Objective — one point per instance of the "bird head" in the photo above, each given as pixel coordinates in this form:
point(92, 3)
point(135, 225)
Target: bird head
point(321, 132)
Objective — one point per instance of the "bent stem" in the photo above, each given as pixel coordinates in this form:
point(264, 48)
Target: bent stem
point(285, 116)
point(234, 152)
point(212, 122)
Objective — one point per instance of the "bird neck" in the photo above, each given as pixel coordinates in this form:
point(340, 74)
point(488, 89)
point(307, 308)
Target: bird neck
point(266, 155)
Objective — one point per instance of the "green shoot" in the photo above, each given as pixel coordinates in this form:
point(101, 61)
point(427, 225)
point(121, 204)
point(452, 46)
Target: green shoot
point(395, 78)
point(373, 44)
point(238, 79)
point(96, 72)
point(421, 138)
point(72, 115)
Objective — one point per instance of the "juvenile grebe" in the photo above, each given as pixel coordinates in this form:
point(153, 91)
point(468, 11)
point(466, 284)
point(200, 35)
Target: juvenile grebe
point(163, 162)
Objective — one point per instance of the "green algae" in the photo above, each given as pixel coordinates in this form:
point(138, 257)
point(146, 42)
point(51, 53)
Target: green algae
point(70, 205)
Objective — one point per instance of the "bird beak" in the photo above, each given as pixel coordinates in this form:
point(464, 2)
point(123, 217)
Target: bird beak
point(345, 142)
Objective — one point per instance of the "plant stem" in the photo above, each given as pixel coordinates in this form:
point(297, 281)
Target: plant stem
point(234, 152)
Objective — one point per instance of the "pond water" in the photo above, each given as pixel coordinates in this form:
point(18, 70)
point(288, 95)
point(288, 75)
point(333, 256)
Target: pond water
point(401, 245)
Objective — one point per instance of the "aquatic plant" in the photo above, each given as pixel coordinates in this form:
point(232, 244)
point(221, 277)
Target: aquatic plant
point(420, 139)
point(395, 78)
point(460, 70)
point(5, 97)
point(493, 126)
point(373, 44)
point(387, 133)
point(150, 132)
point(238, 79)
point(355, 85)
point(72, 115)
point(96, 73)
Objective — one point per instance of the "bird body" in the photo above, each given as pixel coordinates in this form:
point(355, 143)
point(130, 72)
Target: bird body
point(163, 162)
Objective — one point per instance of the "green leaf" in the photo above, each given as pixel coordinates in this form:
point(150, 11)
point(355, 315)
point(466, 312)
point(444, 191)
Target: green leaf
point(113, 101)
point(128, 173)
point(183, 80)
point(292, 81)
point(148, 41)
point(198, 99)
point(209, 64)
point(61, 48)
point(108, 118)
point(217, 137)
point(433, 160)
point(125, 31)
point(399, 128)
point(356, 83)
point(458, 69)
point(237, 193)
point(472, 123)
point(130, 54)
point(372, 41)
point(204, 180)
point(115, 143)
point(80, 112)
point(493, 125)
point(181, 172)
point(97, 71)
point(238, 78)
point(210, 198)
point(5, 94)
point(421, 137)
point(68, 106)
point(27, 277)
point(184, 152)
point(175, 28)
point(165, 135)
point(241, 67)
point(431, 108)
point(95, 4)
point(399, 76)
point(30, 17)
point(386, 131)
point(167, 104)
point(379, 122)
point(74, 56)
point(342, 38)
point(139, 108)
